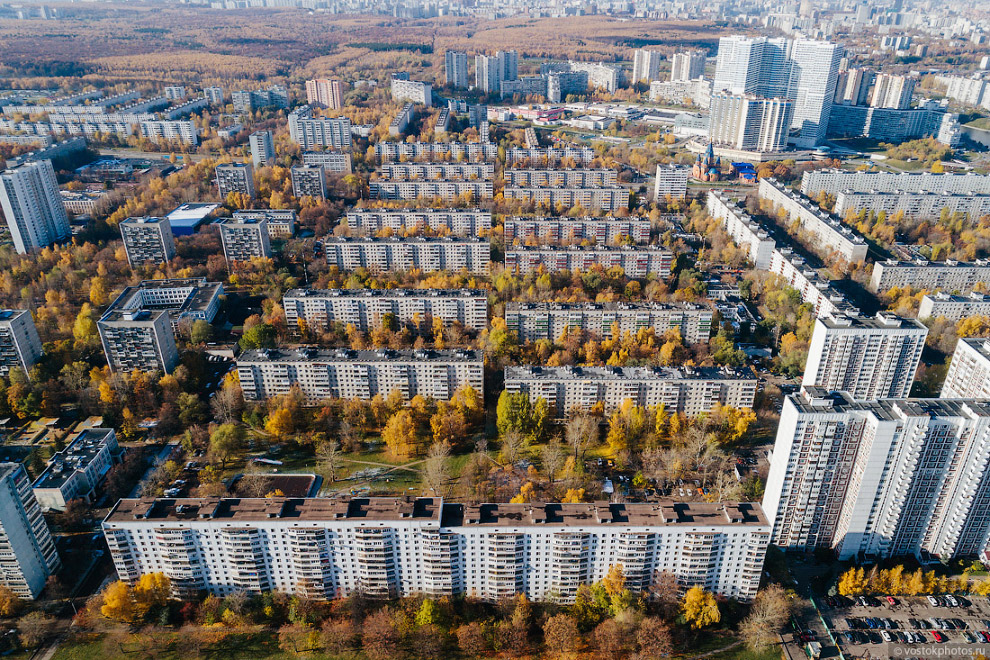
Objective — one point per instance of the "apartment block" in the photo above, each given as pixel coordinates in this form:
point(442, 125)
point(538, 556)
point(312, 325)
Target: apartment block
point(436, 151)
point(646, 65)
point(312, 132)
point(833, 182)
point(445, 171)
point(76, 471)
point(609, 200)
point(564, 230)
point(952, 307)
point(750, 123)
point(420, 93)
point(274, 97)
point(688, 66)
point(262, 148)
point(29, 555)
point(870, 358)
point(549, 156)
point(281, 222)
point(402, 120)
point(427, 254)
point(32, 206)
point(20, 344)
point(637, 262)
point(448, 191)
point(184, 299)
point(917, 205)
point(890, 91)
point(690, 390)
point(335, 162)
point(324, 548)
point(745, 231)
point(244, 238)
point(878, 479)
point(683, 92)
point(235, 177)
point(552, 320)
point(830, 235)
point(169, 130)
point(214, 95)
point(931, 275)
point(325, 93)
point(969, 370)
point(600, 75)
point(560, 178)
point(466, 222)
point(456, 69)
point(147, 240)
point(309, 181)
point(138, 339)
point(323, 374)
point(671, 181)
point(365, 309)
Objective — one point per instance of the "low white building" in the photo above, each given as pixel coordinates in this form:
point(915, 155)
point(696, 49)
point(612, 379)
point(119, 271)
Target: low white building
point(76, 471)
point(386, 548)
point(953, 308)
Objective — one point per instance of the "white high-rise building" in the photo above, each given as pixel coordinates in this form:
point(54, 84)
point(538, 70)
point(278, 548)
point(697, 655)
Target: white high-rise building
point(245, 238)
point(646, 65)
point(456, 69)
point(671, 181)
point(890, 91)
point(803, 70)
point(20, 345)
point(32, 206)
point(969, 371)
point(688, 66)
point(324, 548)
point(870, 358)
point(325, 93)
point(29, 554)
point(488, 72)
point(879, 479)
point(262, 148)
point(750, 123)
point(147, 240)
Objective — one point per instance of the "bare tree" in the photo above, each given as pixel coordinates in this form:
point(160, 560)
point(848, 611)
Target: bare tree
point(581, 433)
point(770, 612)
point(436, 468)
point(512, 444)
point(665, 592)
point(227, 403)
point(329, 459)
point(553, 458)
point(350, 437)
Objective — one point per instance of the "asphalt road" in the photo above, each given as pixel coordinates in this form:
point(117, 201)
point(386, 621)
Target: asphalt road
point(152, 155)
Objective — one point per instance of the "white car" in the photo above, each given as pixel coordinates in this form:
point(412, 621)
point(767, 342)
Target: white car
point(933, 601)
point(886, 636)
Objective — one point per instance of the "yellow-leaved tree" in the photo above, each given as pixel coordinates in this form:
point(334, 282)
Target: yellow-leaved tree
point(699, 607)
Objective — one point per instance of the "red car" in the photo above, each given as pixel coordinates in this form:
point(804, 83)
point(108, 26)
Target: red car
point(939, 637)
point(891, 601)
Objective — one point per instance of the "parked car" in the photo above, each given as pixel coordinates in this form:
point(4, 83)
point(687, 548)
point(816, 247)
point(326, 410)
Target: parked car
point(886, 636)
point(939, 637)
point(934, 601)
point(891, 601)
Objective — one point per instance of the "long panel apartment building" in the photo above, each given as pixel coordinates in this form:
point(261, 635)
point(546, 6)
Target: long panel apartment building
point(571, 231)
point(471, 152)
point(319, 132)
point(448, 191)
point(551, 320)
point(830, 235)
point(20, 344)
point(335, 162)
point(446, 171)
point(549, 156)
point(281, 223)
point(610, 199)
point(29, 555)
point(743, 229)
point(688, 390)
point(833, 182)
point(931, 275)
point(462, 222)
point(427, 254)
point(323, 374)
point(365, 309)
point(324, 548)
point(888, 478)
point(953, 308)
point(637, 262)
point(870, 358)
point(76, 471)
point(575, 178)
point(911, 204)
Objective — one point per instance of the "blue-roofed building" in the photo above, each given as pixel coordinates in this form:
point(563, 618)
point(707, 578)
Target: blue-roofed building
point(187, 218)
point(745, 171)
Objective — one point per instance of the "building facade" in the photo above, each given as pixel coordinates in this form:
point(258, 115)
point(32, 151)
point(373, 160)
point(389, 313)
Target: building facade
point(245, 238)
point(236, 178)
point(20, 344)
point(456, 69)
point(436, 151)
point(560, 178)
point(671, 181)
point(386, 548)
point(646, 65)
point(870, 358)
point(29, 555)
point(76, 471)
point(691, 391)
point(322, 374)
point(281, 222)
point(312, 132)
point(637, 262)
point(367, 309)
point(309, 181)
point(412, 91)
point(425, 254)
point(952, 307)
point(688, 66)
point(32, 206)
point(833, 182)
point(750, 123)
point(563, 230)
point(931, 275)
point(335, 162)
point(609, 200)
point(325, 93)
point(552, 320)
point(147, 240)
point(262, 148)
point(467, 222)
point(448, 191)
point(913, 205)
point(138, 339)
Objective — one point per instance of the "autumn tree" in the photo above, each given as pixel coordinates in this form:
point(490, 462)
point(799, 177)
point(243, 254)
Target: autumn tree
point(33, 628)
point(561, 635)
point(10, 603)
point(699, 607)
point(380, 638)
point(553, 458)
point(400, 435)
point(329, 458)
point(769, 614)
point(654, 639)
point(581, 433)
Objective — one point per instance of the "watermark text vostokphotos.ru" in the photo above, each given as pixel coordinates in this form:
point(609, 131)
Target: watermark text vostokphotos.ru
point(936, 651)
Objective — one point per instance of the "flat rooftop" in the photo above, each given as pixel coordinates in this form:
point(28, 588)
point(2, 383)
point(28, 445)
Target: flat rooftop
point(882, 321)
point(416, 211)
point(533, 372)
point(196, 294)
point(663, 514)
point(80, 453)
point(312, 354)
point(817, 400)
point(606, 306)
point(386, 293)
point(10, 314)
point(397, 240)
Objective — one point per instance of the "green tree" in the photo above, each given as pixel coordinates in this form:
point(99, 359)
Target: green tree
point(226, 441)
point(262, 335)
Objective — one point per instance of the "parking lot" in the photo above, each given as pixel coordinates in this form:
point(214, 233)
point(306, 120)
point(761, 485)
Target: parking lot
point(911, 621)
